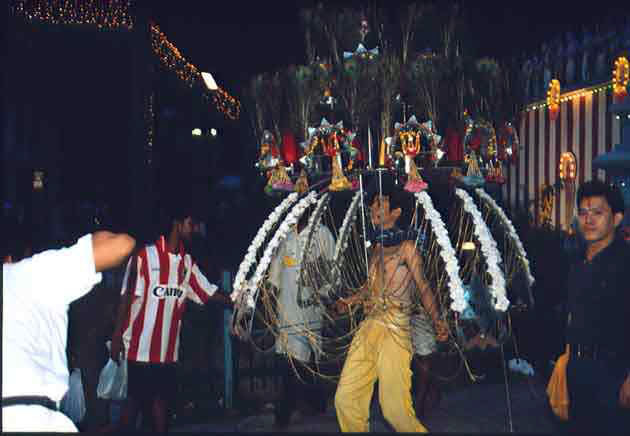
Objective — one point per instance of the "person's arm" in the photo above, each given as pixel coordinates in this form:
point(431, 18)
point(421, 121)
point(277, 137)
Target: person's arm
point(624, 393)
point(201, 289)
point(130, 285)
point(60, 276)
point(357, 297)
point(221, 298)
point(110, 249)
point(360, 295)
point(415, 264)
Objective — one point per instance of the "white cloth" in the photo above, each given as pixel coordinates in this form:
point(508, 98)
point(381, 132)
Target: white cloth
point(36, 293)
point(295, 321)
point(422, 334)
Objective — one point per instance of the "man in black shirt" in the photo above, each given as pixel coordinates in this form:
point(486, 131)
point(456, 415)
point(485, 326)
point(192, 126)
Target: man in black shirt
point(598, 323)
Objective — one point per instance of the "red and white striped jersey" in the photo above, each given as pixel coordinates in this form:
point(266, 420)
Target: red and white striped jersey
point(164, 282)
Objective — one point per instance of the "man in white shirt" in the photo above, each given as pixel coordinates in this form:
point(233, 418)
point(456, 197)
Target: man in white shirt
point(36, 293)
point(300, 316)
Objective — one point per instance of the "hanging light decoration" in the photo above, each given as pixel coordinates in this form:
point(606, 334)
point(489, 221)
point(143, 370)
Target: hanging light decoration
point(621, 77)
point(149, 119)
point(112, 14)
point(172, 59)
point(566, 167)
point(553, 99)
point(38, 180)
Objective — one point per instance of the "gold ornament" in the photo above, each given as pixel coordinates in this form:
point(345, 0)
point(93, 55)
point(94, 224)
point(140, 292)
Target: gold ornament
point(413, 171)
point(456, 173)
point(381, 154)
point(473, 166)
point(339, 181)
point(301, 184)
point(621, 77)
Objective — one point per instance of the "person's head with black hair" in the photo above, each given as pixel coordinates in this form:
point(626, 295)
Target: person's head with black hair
point(179, 224)
point(390, 205)
point(600, 211)
point(596, 188)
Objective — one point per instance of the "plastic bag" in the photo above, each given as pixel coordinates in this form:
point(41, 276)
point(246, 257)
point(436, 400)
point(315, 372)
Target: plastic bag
point(557, 388)
point(112, 382)
point(73, 403)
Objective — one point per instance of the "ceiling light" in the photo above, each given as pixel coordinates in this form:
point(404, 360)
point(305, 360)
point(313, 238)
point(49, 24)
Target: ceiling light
point(468, 246)
point(209, 81)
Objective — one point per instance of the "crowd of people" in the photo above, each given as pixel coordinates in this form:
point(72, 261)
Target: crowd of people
point(160, 278)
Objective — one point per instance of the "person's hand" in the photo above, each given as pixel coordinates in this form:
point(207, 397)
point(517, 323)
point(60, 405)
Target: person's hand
point(624, 393)
point(116, 348)
point(441, 330)
point(236, 323)
point(341, 306)
point(226, 300)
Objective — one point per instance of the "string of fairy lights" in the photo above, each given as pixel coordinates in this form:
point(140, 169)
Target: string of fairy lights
point(172, 59)
point(111, 14)
point(618, 84)
point(149, 118)
point(561, 98)
point(114, 14)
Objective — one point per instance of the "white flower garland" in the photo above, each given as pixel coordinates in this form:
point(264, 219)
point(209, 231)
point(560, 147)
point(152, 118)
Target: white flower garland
point(447, 252)
point(512, 231)
point(489, 249)
point(240, 282)
point(311, 223)
point(350, 217)
point(291, 219)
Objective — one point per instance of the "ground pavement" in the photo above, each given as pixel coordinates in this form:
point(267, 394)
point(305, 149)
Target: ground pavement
point(475, 408)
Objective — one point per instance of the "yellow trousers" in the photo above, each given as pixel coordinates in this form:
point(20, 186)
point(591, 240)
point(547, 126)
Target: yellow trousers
point(382, 353)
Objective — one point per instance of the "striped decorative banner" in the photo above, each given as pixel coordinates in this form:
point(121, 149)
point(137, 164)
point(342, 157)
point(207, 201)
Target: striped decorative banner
point(585, 127)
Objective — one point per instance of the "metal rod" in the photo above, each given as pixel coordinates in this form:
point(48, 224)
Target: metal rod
point(507, 392)
point(380, 201)
point(367, 264)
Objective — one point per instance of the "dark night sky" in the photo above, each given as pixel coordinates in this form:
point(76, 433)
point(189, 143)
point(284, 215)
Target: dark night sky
point(235, 39)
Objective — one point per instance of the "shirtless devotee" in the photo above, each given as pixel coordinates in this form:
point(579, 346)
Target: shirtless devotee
point(381, 349)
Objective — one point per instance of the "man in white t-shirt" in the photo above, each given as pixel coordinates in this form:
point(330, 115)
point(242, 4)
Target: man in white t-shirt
point(36, 293)
point(300, 316)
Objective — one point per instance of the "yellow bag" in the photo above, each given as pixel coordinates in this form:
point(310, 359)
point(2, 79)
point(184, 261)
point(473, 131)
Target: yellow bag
point(557, 388)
